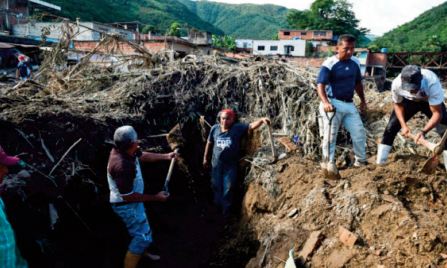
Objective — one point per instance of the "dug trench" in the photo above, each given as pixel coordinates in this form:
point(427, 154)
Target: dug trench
point(81, 230)
point(395, 213)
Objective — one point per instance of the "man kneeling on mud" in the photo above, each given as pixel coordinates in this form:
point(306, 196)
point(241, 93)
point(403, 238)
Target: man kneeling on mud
point(126, 191)
point(224, 139)
point(413, 91)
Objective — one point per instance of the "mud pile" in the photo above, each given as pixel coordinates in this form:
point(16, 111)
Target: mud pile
point(46, 118)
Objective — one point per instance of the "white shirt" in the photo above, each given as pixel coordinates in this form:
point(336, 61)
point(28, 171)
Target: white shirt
point(431, 89)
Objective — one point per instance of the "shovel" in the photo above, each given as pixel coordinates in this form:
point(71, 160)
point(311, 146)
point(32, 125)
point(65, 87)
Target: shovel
point(272, 145)
point(432, 163)
point(329, 117)
point(168, 177)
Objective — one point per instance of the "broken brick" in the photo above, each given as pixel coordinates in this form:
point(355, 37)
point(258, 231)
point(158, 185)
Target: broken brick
point(346, 237)
point(290, 146)
point(310, 245)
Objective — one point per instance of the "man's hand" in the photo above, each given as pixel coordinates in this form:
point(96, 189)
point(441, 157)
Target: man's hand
point(171, 155)
point(327, 106)
point(363, 107)
point(162, 196)
point(418, 137)
point(405, 131)
point(206, 164)
point(266, 121)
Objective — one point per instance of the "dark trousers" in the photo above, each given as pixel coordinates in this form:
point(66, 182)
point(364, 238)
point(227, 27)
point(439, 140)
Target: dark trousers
point(410, 109)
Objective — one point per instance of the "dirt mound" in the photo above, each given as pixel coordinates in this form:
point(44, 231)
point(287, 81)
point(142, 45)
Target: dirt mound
point(396, 213)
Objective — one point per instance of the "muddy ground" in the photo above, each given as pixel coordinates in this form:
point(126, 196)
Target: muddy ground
point(395, 211)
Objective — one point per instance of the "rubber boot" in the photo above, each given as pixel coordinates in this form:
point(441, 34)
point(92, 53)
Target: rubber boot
point(131, 260)
point(383, 151)
point(444, 155)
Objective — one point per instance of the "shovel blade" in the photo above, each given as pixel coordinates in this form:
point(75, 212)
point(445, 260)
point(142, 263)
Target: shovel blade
point(431, 164)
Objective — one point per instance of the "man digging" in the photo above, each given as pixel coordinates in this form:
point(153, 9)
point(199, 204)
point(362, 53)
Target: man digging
point(414, 90)
point(126, 191)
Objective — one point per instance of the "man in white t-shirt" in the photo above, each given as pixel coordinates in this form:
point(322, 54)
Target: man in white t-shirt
point(414, 90)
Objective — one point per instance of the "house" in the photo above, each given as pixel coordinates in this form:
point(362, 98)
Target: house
point(200, 38)
point(14, 12)
point(244, 45)
point(295, 48)
point(308, 35)
point(80, 31)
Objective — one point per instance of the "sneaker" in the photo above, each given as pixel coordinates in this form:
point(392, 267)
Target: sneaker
point(323, 165)
point(359, 163)
point(152, 256)
point(332, 168)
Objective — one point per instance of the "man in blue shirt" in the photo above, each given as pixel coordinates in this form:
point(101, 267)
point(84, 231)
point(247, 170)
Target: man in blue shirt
point(339, 77)
point(225, 139)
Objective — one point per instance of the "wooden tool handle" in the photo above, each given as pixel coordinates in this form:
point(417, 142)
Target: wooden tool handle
point(422, 141)
point(272, 145)
point(171, 168)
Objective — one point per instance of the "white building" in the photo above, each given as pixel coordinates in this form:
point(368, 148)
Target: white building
point(295, 48)
point(85, 31)
point(244, 43)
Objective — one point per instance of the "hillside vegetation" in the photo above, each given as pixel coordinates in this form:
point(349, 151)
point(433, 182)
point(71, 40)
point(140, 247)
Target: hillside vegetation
point(158, 13)
point(428, 32)
point(243, 20)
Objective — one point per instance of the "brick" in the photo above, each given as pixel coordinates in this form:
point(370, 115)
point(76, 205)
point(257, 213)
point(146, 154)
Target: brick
point(310, 245)
point(290, 146)
point(346, 237)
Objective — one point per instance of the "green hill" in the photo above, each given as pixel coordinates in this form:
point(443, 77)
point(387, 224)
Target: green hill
point(159, 13)
point(428, 32)
point(241, 20)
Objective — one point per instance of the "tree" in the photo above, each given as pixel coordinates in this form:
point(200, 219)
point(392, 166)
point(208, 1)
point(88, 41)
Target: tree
point(149, 28)
point(226, 42)
point(335, 15)
point(174, 29)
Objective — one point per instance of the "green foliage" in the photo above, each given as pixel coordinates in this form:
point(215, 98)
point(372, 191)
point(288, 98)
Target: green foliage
point(226, 42)
point(241, 21)
point(174, 29)
point(335, 15)
point(159, 13)
point(149, 28)
point(426, 33)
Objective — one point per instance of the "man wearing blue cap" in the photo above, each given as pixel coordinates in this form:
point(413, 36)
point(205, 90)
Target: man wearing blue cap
point(414, 90)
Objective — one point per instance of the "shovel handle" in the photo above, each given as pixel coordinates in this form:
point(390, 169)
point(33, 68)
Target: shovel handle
point(171, 168)
point(272, 145)
point(422, 141)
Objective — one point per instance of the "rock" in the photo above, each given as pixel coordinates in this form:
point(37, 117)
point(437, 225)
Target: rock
point(339, 258)
point(292, 213)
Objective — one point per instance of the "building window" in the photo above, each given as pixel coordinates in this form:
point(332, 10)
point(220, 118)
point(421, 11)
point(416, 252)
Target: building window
point(273, 48)
point(286, 33)
point(320, 33)
point(245, 45)
point(292, 48)
point(261, 48)
point(303, 33)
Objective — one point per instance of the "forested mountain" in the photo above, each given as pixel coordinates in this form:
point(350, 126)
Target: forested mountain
point(243, 20)
point(428, 32)
point(158, 13)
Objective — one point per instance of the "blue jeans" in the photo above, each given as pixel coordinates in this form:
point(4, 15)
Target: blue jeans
point(134, 217)
point(346, 114)
point(223, 179)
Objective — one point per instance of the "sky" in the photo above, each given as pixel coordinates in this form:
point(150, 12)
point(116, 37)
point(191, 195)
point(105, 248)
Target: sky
point(380, 16)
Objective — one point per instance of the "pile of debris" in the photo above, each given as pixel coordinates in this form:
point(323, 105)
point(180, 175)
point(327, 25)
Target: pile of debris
point(45, 119)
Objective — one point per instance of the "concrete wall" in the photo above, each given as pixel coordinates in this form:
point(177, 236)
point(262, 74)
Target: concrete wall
point(299, 47)
point(305, 34)
point(34, 30)
point(244, 43)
